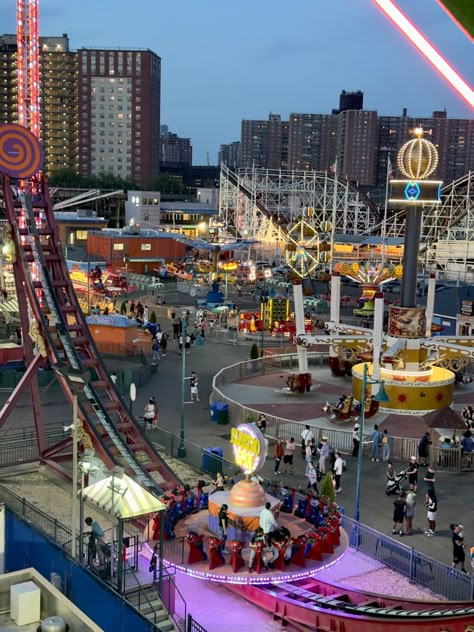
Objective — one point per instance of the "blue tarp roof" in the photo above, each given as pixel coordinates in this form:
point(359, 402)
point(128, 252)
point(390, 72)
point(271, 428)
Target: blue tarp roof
point(114, 320)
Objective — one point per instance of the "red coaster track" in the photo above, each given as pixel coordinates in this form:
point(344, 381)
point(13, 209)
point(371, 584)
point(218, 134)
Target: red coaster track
point(116, 436)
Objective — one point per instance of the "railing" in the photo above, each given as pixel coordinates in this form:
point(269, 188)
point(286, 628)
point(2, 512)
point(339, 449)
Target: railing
point(137, 596)
point(173, 601)
point(402, 448)
point(50, 527)
point(22, 447)
point(193, 625)
point(438, 577)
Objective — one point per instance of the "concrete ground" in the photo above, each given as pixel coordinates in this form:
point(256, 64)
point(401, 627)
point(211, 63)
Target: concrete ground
point(454, 490)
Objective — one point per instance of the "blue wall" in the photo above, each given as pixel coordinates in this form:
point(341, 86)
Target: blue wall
point(26, 547)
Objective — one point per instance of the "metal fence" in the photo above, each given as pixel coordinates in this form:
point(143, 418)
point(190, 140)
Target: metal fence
point(402, 448)
point(22, 447)
point(418, 567)
point(193, 625)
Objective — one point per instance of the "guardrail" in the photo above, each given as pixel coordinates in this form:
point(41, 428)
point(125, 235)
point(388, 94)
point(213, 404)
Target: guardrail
point(22, 447)
point(402, 448)
point(418, 567)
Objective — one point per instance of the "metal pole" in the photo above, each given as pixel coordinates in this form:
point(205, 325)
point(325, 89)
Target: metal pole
point(162, 539)
point(182, 449)
point(361, 443)
point(113, 533)
point(410, 256)
point(74, 476)
point(385, 213)
point(81, 520)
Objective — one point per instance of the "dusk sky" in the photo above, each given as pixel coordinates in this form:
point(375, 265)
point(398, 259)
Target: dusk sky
point(224, 61)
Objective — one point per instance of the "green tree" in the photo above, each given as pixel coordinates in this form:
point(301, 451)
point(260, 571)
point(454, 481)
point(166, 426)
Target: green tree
point(152, 318)
point(254, 351)
point(327, 488)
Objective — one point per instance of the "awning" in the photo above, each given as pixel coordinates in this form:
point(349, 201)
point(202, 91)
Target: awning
point(129, 498)
point(9, 306)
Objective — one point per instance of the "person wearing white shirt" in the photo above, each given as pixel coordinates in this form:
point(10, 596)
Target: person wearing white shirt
point(355, 439)
point(338, 466)
point(267, 522)
point(306, 436)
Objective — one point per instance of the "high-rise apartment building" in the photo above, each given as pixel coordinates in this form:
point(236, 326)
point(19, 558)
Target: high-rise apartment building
point(176, 150)
point(351, 101)
point(58, 74)
point(360, 139)
point(119, 113)
point(356, 144)
point(230, 155)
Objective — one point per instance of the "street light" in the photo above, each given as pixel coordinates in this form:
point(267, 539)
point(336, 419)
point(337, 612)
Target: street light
point(86, 467)
point(267, 274)
point(381, 396)
point(77, 380)
point(182, 448)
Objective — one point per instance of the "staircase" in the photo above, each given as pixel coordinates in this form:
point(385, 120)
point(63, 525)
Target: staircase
point(146, 600)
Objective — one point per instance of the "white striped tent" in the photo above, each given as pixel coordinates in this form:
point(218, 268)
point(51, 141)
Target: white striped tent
point(129, 498)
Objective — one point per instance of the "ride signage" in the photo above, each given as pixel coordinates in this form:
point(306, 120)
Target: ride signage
point(249, 447)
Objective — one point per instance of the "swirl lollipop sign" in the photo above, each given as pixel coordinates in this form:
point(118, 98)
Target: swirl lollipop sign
point(21, 153)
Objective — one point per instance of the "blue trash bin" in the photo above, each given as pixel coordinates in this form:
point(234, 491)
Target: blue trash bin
point(222, 413)
point(214, 411)
point(212, 460)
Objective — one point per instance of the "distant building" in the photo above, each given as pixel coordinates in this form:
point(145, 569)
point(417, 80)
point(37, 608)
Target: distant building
point(360, 139)
point(119, 113)
point(187, 218)
point(176, 150)
point(230, 155)
point(351, 101)
point(142, 251)
point(59, 126)
point(74, 227)
point(143, 208)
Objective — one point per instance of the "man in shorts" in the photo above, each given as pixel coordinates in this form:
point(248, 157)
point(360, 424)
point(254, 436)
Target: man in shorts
point(290, 448)
point(459, 556)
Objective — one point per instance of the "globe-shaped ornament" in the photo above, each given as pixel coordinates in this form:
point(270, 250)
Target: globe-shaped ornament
point(417, 158)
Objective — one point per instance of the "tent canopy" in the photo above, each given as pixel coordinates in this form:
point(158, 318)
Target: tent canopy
point(444, 417)
point(129, 498)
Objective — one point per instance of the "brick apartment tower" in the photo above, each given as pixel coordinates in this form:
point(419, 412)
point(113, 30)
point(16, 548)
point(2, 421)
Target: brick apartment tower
point(119, 94)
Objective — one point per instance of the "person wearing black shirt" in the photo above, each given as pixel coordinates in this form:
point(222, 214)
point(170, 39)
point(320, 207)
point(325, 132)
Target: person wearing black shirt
point(423, 448)
point(458, 546)
point(399, 507)
point(223, 524)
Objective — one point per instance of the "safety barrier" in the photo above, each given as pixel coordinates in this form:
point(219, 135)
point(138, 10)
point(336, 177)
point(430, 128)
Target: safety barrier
point(402, 448)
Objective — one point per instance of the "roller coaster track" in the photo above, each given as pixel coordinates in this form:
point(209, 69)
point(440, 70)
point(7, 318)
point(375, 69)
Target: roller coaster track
point(326, 607)
point(42, 281)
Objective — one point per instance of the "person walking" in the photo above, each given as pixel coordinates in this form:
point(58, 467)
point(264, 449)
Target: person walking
point(288, 456)
point(155, 349)
point(412, 471)
point(399, 507)
point(95, 546)
point(459, 556)
point(267, 522)
point(376, 438)
point(180, 344)
point(306, 435)
point(278, 455)
point(355, 439)
point(338, 467)
point(430, 479)
point(432, 508)
point(323, 452)
point(175, 329)
point(150, 412)
point(386, 444)
point(410, 503)
point(194, 387)
point(187, 343)
point(312, 477)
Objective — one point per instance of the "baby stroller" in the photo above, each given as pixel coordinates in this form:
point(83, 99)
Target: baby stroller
point(394, 482)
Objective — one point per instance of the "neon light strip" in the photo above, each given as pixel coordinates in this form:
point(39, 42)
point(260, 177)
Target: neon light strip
point(438, 62)
point(456, 21)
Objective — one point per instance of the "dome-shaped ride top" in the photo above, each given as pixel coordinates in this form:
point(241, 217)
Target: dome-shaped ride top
point(417, 158)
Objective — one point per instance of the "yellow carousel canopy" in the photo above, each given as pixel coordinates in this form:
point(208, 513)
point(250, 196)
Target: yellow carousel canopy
point(129, 498)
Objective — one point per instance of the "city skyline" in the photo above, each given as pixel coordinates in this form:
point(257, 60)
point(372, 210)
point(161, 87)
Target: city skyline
point(224, 63)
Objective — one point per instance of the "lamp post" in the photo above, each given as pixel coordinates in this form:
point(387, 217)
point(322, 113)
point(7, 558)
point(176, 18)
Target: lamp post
point(126, 260)
point(381, 396)
point(76, 380)
point(182, 448)
point(263, 301)
point(86, 467)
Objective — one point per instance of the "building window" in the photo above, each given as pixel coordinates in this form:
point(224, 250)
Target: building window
point(81, 234)
point(118, 246)
point(146, 246)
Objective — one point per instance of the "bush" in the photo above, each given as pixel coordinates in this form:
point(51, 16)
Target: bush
point(152, 318)
point(254, 351)
point(123, 308)
point(327, 488)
